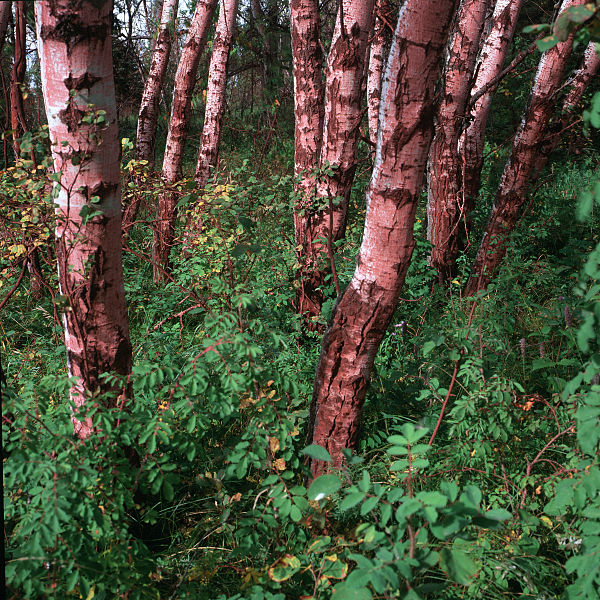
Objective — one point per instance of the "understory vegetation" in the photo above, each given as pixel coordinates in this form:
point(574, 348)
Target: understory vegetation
point(477, 473)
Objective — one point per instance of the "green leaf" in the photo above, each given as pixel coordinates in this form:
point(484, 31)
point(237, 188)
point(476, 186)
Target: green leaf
point(547, 43)
point(343, 591)
point(459, 566)
point(351, 500)
point(317, 452)
point(323, 486)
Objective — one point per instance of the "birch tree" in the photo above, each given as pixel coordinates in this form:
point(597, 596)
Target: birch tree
point(367, 305)
point(74, 45)
point(215, 93)
point(517, 174)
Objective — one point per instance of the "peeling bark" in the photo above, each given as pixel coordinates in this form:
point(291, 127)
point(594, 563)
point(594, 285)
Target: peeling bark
point(148, 115)
point(491, 60)
point(445, 203)
point(322, 214)
point(366, 307)
point(215, 94)
point(185, 80)
point(77, 73)
point(17, 79)
point(518, 171)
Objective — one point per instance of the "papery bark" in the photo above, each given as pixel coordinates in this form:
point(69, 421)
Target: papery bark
point(445, 202)
point(74, 45)
point(322, 215)
point(375, 69)
point(215, 93)
point(490, 63)
point(17, 79)
point(309, 112)
point(185, 80)
point(518, 171)
point(366, 307)
point(148, 115)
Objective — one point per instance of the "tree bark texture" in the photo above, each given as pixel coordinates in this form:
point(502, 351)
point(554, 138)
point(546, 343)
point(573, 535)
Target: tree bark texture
point(518, 171)
point(216, 92)
point(4, 19)
point(376, 64)
point(577, 86)
point(367, 305)
point(445, 204)
point(185, 80)
point(309, 112)
point(321, 215)
point(148, 115)
point(74, 42)
point(491, 61)
point(17, 79)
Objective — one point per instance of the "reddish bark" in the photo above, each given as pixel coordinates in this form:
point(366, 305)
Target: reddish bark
point(321, 215)
point(491, 60)
point(4, 18)
point(215, 94)
point(185, 80)
point(365, 309)
point(578, 84)
point(309, 112)
point(445, 206)
point(77, 71)
point(375, 69)
point(518, 171)
point(148, 115)
point(17, 79)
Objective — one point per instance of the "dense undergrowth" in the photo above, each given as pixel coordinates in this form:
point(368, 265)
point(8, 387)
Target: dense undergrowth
point(477, 473)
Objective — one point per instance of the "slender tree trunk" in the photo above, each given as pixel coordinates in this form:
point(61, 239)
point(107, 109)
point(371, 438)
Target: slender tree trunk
point(77, 71)
point(309, 111)
point(4, 19)
point(578, 84)
point(445, 205)
point(185, 80)
point(376, 63)
point(512, 190)
point(324, 218)
point(365, 309)
point(17, 78)
point(491, 61)
point(148, 116)
point(215, 94)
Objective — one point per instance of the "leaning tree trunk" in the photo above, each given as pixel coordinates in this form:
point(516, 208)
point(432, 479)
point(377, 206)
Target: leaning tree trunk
point(17, 78)
point(185, 80)
point(512, 189)
point(76, 73)
point(445, 205)
point(148, 116)
point(491, 61)
point(365, 309)
point(577, 86)
point(215, 93)
point(309, 111)
point(322, 215)
point(375, 69)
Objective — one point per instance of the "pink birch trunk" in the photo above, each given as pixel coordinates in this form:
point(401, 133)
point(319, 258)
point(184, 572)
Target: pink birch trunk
point(375, 71)
point(17, 78)
point(215, 94)
point(368, 303)
point(578, 84)
point(324, 215)
point(445, 205)
point(185, 80)
point(148, 116)
point(491, 61)
point(512, 190)
point(77, 71)
point(309, 112)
